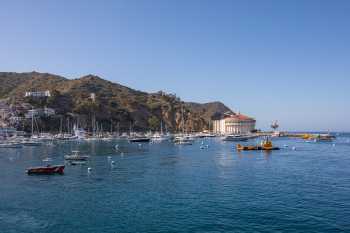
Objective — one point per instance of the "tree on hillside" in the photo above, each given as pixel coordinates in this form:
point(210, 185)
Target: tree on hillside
point(153, 123)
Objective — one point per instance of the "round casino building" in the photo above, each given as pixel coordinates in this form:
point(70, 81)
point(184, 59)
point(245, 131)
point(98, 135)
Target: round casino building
point(233, 123)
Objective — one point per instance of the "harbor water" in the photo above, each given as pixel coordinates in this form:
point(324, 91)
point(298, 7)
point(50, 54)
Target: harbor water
point(162, 187)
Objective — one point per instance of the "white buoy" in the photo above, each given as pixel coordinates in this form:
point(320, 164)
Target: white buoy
point(109, 157)
point(333, 145)
point(294, 148)
point(140, 144)
point(116, 147)
point(89, 169)
point(112, 162)
point(285, 145)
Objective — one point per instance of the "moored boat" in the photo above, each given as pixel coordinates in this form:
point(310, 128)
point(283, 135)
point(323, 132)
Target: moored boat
point(160, 137)
point(46, 170)
point(31, 143)
point(74, 163)
point(237, 138)
point(183, 140)
point(75, 156)
point(139, 139)
point(10, 145)
point(324, 138)
point(265, 145)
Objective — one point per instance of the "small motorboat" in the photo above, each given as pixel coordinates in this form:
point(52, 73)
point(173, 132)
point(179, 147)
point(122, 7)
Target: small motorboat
point(160, 138)
point(238, 138)
point(31, 143)
point(306, 136)
point(47, 170)
point(75, 156)
point(183, 140)
point(107, 139)
point(47, 159)
point(265, 145)
point(139, 139)
point(10, 145)
point(77, 162)
point(324, 138)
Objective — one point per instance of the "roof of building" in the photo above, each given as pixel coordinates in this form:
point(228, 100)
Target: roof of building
point(238, 118)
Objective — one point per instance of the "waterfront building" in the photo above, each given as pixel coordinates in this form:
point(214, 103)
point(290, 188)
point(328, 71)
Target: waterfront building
point(93, 97)
point(233, 124)
point(40, 112)
point(37, 94)
point(49, 112)
point(16, 119)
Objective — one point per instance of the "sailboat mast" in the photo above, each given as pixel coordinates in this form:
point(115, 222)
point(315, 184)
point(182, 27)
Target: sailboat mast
point(68, 129)
point(183, 120)
point(111, 127)
point(130, 129)
point(118, 128)
point(61, 125)
point(32, 122)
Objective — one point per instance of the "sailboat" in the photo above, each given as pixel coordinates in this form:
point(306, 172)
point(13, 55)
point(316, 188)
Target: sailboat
point(183, 139)
point(65, 136)
point(133, 137)
point(159, 137)
point(33, 139)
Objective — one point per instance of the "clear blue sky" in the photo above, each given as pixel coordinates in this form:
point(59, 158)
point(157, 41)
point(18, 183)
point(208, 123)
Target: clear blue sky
point(284, 60)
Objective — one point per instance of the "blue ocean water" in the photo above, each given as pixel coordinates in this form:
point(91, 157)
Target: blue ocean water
point(162, 187)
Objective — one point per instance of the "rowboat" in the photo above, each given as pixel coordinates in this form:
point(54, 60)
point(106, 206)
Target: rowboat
point(47, 170)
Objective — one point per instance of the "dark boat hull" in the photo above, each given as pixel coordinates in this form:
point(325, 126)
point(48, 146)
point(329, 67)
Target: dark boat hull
point(80, 158)
point(140, 140)
point(249, 148)
point(49, 170)
point(235, 139)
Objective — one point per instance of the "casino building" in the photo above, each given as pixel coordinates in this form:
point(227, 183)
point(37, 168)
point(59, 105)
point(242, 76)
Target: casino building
point(234, 124)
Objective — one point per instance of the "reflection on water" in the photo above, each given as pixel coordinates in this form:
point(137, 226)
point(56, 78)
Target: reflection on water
point(162, 187)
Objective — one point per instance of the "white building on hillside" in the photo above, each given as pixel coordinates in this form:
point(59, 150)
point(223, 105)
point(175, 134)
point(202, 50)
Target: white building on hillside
point(37, 94)
point(234, 124)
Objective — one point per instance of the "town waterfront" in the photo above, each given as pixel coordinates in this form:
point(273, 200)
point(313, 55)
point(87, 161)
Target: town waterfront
point(162, 187)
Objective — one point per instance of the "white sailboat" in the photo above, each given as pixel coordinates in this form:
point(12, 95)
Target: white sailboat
point(183, 139)
point(159, 137)
point(32, 141)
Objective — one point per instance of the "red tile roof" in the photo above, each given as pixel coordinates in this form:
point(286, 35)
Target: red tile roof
point(238, 117)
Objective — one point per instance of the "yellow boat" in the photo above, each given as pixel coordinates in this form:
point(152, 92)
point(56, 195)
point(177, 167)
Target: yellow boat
point(265, 145)
point(307, 136)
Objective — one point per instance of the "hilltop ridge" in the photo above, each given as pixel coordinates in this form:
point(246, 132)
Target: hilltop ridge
point(113, 104)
